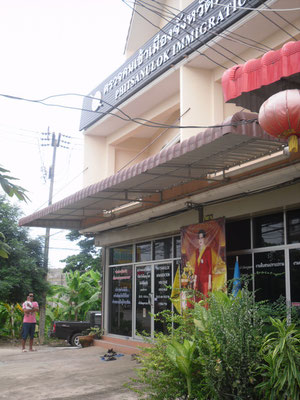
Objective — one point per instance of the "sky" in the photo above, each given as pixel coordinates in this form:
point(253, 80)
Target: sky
point(53, 47)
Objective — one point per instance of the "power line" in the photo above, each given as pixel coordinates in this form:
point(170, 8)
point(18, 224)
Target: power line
point(243, 8)
point(222, 34)
point(278, 26)
point(149, 123)
point(156, 26)
point(56, 193)
point(80, 138)
point(284, 19)
point(261, 9)
point(151, 143)
point(174, 23)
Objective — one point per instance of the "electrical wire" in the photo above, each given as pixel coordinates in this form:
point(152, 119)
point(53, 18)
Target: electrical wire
point(278, 26)
point(225, 32)
point(127, 117)
point(57, 192)
point(261, 9)
point(151, 124)
point(171, 21)
point(161, 30)
point(223, 35)
point(152, 142)
point(284, 19)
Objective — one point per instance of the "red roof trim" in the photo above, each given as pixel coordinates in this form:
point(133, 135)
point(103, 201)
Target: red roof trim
point(256, 73)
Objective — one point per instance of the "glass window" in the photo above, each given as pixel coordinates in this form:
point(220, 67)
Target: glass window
point(120, 255)
point(245, 265)
point(238, 235)
point(162, 249)
point(293, 226)
point(143, 252)
point(269, 268)
point(268, 230)
point(177, 247)
point(121, 300)
point(295, 275)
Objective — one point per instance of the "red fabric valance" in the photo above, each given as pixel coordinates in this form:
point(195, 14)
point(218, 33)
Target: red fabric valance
point(250, 84)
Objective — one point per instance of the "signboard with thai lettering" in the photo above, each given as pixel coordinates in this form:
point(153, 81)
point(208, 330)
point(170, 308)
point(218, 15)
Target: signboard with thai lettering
point(188, 31)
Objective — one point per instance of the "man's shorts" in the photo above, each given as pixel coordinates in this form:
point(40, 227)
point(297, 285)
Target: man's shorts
point(28, 329)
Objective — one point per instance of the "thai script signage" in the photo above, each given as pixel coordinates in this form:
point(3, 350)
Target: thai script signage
point(143, 284)
point(163, 280)
point(121, 286)
point(200, 22)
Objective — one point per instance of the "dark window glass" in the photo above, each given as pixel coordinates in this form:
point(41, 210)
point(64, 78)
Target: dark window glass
point(268, 230)
point(177, 246)
point(245, 266)
point(295, 275)
point(121, 300)
point(238, 235)
point(269, 275)
point(162, 293)
point(120, 255)
point(143, 299)
point(162, 249)
point(293, 226)
point(143, 252)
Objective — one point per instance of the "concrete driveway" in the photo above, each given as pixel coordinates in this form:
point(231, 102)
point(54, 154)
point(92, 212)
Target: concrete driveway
point(63, 373)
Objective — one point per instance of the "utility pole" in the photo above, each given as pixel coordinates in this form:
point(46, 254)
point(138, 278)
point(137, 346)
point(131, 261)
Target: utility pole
point(55, 143)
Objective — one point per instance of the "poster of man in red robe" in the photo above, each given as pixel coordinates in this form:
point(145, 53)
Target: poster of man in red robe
point(203, 256)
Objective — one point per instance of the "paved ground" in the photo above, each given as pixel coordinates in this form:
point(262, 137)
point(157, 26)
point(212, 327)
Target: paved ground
point(63, 373)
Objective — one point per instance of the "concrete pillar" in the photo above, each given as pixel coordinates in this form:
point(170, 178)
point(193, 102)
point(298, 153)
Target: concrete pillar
point(196, 93)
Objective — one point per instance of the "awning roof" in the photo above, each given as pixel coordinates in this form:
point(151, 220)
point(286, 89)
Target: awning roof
point(250, 84)
point(234, 142)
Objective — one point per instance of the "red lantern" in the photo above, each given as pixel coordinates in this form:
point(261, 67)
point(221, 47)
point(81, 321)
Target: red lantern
point(280, 116)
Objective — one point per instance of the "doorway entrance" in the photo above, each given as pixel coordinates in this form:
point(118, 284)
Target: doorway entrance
point(152, 295)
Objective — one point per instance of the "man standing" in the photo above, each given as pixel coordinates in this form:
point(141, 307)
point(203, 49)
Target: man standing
point(30, 307)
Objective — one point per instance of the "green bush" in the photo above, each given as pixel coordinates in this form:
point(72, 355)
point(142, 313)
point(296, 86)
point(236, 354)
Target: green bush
point(158, 378)
point(220, 350)
point(229, 338)
point(11, 318)
point(280, 370)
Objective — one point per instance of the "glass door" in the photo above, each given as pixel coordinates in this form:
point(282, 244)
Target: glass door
point(143, 299)
point(162, 292)
point(152, 295)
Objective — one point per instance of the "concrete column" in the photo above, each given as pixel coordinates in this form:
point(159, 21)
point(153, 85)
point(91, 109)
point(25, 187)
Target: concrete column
point(95, 156)
point(196, 93)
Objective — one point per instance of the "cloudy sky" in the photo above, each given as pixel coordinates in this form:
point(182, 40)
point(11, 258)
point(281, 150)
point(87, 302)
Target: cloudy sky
point(49, 48)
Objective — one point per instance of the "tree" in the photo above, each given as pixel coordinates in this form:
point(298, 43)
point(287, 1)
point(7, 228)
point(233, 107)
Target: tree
point(22, 270)
point(12, 190)
point(81, 294)
point(88, 258)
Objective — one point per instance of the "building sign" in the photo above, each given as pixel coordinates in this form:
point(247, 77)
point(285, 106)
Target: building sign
point(196, 25)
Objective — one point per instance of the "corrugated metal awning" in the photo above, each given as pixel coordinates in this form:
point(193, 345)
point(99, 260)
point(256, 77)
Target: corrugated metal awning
point(237, 140)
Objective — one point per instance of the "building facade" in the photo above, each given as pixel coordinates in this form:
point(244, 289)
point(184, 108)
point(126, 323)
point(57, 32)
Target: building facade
point(163, 150)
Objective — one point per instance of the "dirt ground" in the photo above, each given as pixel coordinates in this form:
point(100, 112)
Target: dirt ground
point(63, 373)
